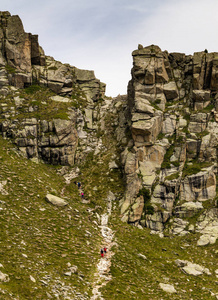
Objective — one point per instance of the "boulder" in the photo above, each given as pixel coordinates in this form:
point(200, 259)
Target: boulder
point(57, 201)
point(181, 263)
point(113, 165)
point(32, 279)
point(204, 240)
point(195, 269)
point(191, 268)
point(125, 205)
point(4, 277)
point(60, 99)
point(169, 288)
point(182, 123)
point(3, 191)
point(143, 106)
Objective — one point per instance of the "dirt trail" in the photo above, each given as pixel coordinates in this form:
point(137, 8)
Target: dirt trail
point(103, 276)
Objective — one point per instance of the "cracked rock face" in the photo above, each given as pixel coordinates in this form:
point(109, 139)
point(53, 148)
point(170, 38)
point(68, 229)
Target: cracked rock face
point(25, 62)
point(172, 101)
point(22, 63)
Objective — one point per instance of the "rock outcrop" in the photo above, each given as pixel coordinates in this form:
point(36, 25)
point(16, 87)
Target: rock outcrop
point(166, 127)
point(172, 100)
point(23, 63)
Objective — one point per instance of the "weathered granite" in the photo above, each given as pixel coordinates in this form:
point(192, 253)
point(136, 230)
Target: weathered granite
point(172, 101)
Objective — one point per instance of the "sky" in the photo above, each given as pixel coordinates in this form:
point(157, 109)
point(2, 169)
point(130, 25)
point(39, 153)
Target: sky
point(101, 35)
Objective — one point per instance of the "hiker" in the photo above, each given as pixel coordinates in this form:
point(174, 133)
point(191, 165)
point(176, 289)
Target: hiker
point(102, 253)
point(79, 185)
point(82, 195)
point(105, 250)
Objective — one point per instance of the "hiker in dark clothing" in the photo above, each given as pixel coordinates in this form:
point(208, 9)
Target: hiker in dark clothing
point(79, 185)
point(102, 253)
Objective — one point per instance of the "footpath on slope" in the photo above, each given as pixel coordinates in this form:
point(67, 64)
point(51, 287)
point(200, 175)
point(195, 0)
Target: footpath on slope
point(102, 275)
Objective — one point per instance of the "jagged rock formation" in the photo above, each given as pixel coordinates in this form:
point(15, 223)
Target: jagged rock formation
point(173, 106)
point(23, 63)
point(167, 126)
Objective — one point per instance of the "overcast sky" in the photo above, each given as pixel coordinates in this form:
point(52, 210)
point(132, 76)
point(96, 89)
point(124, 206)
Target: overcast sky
point(100, 35)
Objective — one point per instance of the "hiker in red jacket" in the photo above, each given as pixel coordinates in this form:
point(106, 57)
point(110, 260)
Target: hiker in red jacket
point(102, 253)
point(105, 250)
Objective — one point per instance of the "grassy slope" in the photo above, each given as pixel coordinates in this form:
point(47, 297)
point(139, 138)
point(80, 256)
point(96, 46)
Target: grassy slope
point(137, 278)
point(49, 236)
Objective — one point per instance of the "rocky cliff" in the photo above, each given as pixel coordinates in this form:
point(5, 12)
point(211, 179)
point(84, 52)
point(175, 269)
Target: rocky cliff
point(171, 161)
point(166, 127)
point(26, 117)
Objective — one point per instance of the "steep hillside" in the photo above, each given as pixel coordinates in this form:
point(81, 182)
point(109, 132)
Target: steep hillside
point(147, 162)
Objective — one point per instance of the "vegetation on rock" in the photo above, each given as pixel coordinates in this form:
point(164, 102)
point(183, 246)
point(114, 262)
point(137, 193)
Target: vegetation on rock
point(148, 158)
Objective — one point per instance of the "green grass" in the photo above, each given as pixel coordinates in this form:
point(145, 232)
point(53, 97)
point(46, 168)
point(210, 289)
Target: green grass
point(10, 69)
point(194, 168)
point(43, 107)
point(137, 278)
point(49, 236)
point(208, 108)
point(32, 89)
point(78, 97)
point(160, 136)
point(166, 164)
point(200, 135)
point(172, 176)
